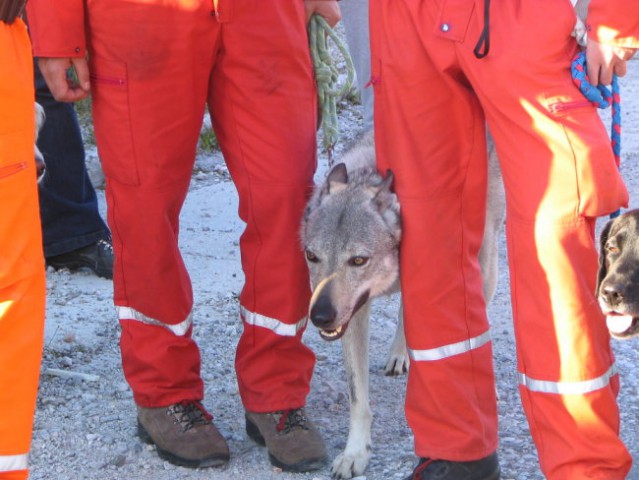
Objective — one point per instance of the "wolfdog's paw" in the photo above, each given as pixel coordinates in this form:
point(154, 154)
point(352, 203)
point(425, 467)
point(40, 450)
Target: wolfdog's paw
point(397, 364)
point(350, 465)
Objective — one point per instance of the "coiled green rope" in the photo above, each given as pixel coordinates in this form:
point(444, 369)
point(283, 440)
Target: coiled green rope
point(326, 76)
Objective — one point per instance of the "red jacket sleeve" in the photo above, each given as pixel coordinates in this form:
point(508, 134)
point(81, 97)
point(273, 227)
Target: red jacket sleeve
point(57, 28)
point(614, 22)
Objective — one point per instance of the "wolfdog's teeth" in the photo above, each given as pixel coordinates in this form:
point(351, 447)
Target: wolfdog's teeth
point(332, 333)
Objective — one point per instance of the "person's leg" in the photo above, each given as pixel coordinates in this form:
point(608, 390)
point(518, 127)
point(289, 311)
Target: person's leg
point(74, 234)
point(559, 174)
point(430, 133)
point(22, 277)
point(263, 107)
point(262, 102)
point(147, 142)
point(68, 203)
point(356, 25)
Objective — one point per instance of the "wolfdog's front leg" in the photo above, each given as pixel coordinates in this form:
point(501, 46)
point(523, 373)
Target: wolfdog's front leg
point(353, 460)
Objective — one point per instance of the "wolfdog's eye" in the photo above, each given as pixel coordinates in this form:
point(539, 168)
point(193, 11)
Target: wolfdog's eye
point(311, 257)
point(358, 261)
point(612, 248)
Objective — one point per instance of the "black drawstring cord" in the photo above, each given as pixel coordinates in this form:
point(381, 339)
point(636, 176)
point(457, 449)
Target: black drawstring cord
point(483, 44)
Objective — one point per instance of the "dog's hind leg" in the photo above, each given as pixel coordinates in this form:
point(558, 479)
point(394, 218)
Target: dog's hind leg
point(398, 361)
point(353, 460)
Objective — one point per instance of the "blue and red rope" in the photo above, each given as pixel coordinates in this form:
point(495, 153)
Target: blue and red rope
point(602, 97)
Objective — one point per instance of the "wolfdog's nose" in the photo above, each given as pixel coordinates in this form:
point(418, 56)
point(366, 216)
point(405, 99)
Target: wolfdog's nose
point(323, 313)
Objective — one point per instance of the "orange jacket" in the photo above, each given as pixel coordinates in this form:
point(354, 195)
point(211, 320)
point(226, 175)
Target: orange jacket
point(614, 22)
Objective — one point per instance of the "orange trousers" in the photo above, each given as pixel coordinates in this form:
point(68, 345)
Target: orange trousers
point(249, 62)
point(433, 98)
point(22, 277)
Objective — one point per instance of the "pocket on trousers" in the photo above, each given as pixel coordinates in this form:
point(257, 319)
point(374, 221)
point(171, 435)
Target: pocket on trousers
point(19, 220)
point(12, 159)
point(12, 169)
point(112, 121)
point(601, 189)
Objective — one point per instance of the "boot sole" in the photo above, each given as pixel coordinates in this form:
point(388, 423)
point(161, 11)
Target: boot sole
point(305, 466)
point(215, 461)
point(77, 265)
point(495, 476)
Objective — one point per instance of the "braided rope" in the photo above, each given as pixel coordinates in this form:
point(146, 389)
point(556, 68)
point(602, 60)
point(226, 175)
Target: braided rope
point(603, 97)
point(326, 76)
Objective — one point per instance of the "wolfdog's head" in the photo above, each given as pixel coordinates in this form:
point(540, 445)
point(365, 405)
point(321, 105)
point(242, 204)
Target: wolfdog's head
point(351, 233)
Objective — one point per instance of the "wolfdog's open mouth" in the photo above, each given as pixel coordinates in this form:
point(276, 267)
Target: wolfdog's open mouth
point(330, 335)
point(336, 334)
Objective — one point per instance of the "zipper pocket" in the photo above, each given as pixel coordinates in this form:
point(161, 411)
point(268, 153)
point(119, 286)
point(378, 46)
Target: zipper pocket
point(560, 108)
point(12, 169)
point(120, 82)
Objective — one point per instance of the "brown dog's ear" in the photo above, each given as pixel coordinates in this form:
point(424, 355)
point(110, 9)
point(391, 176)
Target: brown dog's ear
point(603, 239)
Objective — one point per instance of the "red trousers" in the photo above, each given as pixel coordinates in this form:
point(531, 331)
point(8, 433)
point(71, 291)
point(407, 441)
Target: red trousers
point(433, 98)
point(155, 66)
point(22, 277)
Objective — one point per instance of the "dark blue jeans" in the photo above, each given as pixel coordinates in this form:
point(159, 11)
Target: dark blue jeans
point(68, 203)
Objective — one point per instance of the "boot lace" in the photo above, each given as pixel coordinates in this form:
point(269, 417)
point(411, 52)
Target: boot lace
point(105, 245)
point(291, 419)
point(189, 414)
point(423, 465)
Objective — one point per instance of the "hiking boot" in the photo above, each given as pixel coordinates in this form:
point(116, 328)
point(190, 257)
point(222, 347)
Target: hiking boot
point(484, 469)
point(292, 441)
point(183, 434)
point(97, 257)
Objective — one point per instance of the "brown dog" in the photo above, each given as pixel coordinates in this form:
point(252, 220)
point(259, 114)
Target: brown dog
point(618, 276)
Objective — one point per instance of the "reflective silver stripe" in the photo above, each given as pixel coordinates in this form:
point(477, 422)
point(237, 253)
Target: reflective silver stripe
point(128, 313)
point(568, 388)
point(446, 351)
point(277, 327)
point(13, 463)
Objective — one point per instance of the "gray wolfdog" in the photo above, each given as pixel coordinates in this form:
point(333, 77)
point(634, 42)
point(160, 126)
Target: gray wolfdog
point(351, 233)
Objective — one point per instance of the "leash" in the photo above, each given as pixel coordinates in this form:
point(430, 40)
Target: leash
point(603, 97)
point(326, 76)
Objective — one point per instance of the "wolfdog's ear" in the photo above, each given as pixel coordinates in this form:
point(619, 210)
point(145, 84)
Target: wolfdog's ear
point(603, 239)
point(388, 205)
point(389, 180)
point(337, 178)
point(382, 185)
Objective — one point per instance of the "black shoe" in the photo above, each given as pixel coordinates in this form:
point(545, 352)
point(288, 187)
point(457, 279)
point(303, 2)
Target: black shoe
point(97, 257)
point(484, 469)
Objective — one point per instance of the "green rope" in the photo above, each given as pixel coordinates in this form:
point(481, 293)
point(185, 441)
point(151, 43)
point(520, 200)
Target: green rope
point(326, 76)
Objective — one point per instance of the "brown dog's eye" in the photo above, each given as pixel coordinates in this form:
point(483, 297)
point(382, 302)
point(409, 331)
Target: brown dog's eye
point(358, 261)
point(311, 257)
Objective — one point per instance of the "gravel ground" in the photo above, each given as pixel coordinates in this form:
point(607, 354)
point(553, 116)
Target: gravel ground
point(85, 428)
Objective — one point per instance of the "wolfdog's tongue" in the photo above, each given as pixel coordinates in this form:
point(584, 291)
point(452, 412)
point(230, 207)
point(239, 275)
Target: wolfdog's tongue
point(618, 323)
